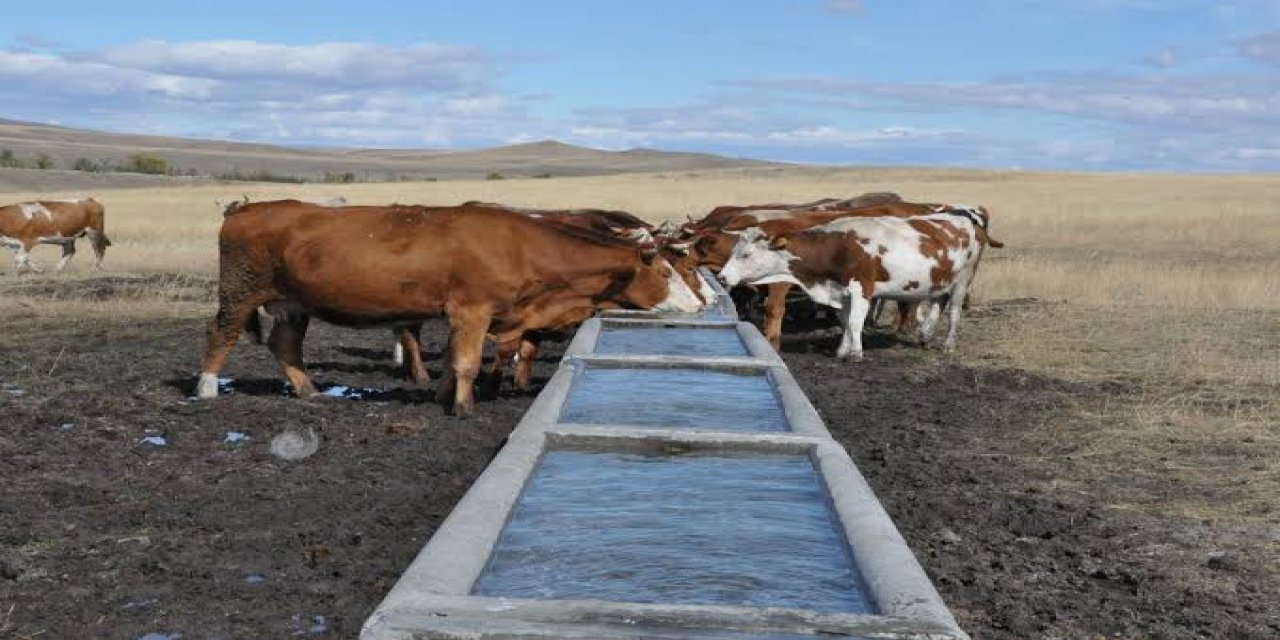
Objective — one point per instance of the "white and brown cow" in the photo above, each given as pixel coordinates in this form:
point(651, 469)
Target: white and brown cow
point(848, 262)
point(26, 224)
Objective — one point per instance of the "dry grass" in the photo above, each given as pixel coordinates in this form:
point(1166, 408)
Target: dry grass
point(1176, 241)
point(1168, 285)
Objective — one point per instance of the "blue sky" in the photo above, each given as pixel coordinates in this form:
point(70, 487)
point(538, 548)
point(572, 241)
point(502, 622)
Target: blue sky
point(1169, 85)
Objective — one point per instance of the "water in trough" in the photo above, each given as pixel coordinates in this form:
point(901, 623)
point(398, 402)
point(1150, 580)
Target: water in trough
point(754, 531)
point(675, 341)
point(683, 398)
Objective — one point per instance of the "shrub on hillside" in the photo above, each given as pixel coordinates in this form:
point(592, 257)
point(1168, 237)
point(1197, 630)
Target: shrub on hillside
point(148, 163)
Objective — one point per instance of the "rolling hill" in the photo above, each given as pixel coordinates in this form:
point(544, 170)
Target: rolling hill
point(64, 146)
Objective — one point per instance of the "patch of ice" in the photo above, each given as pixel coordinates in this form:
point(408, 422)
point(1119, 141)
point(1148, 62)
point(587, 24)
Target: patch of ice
point(256, 578)
point(343, 391)
point(141, 604)
point(317, 626)
point(233, 437)
point(155, 441)
point(294, 445)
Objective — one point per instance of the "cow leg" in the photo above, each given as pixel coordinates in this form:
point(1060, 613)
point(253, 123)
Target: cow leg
point(775, 309)
point(285, 342)
point(466, 348)
point(224, 331)
point(854, 315)
point(954, 308)
point(907, 317)
point(68, 250)
point(928, 314)
point(409, 348)
point(22, 260)
point(873, 316)
point(503, 353)
point(524, 366)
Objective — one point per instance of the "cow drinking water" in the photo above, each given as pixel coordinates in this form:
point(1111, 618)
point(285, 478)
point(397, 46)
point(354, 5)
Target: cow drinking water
point(396, 266)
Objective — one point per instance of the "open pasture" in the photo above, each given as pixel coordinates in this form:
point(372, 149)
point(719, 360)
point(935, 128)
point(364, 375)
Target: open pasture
point(1101, 458)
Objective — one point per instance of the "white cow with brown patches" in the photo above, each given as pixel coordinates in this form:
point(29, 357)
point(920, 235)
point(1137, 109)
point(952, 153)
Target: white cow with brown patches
point(61, 222)
point(848, 262)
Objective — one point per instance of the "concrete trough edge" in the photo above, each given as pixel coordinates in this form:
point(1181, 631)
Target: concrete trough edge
point(481, 616)
point(455, 557)
point(431, 599)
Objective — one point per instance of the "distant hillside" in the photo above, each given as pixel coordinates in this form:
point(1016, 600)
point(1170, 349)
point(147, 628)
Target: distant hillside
point(64, 146)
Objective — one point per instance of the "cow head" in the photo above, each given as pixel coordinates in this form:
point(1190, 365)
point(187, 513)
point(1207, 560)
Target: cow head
point(757, 259)
point(686, 261)
point(714, 248)
point(658, 286)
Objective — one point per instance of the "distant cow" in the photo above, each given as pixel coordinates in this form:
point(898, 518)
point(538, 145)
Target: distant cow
point(849, 262)
point(398, 265)
point(24, 225)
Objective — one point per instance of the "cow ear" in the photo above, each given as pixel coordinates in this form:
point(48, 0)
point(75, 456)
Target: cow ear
point(780, 242)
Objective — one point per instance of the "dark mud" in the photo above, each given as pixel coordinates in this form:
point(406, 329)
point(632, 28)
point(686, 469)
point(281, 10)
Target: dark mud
point(940, 443)
point(105, 536)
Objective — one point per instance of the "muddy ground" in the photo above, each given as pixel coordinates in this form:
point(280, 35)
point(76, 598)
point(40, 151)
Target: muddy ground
point(106, 536)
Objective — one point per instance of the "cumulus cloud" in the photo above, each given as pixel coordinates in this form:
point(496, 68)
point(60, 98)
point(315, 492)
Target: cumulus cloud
point(340, 92)
point(1162, 120)
point(439, 95)
point(433, 67)
point(1200, 101)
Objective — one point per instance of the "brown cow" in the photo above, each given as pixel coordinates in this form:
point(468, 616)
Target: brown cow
point(24, 225)
point(368, 266)
point(561, 310)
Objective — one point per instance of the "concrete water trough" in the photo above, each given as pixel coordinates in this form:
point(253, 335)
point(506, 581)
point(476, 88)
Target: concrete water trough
point(649, 494)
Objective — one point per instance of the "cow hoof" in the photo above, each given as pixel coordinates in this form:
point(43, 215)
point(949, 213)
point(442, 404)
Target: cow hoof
point(207, 388)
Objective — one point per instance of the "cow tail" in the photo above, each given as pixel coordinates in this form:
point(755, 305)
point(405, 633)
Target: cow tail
point(98, 222)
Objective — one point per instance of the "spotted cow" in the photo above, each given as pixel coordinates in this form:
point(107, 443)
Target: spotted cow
point(848, 262)
point(60, 222)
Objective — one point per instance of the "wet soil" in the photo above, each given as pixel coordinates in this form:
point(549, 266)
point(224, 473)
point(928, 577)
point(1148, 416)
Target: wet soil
point(940, 442)
point(103, 535)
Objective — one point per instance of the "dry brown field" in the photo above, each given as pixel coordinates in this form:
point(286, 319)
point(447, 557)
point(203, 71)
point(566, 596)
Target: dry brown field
point(1157, 295)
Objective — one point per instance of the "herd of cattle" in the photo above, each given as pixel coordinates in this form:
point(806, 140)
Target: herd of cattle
point(519, 276)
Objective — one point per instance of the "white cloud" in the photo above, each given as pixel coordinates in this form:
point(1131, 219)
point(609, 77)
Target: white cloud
point(1201, 101)
point(427, 66)
point(330, 93)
